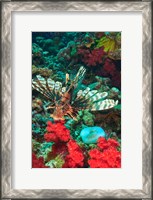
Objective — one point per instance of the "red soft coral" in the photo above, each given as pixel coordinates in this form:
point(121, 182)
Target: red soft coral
point(50, 137)
point(107, 156)
point(72, 145)
point(113, 157)
point(75, 157)
point(69, 162)
point(98, 163)
point(113, 143)
point(63, 134)
point(37, 162)
point(56, 132)
point(102, 143)
point(95, 153)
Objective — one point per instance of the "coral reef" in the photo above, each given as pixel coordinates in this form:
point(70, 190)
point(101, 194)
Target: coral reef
point(76, 100)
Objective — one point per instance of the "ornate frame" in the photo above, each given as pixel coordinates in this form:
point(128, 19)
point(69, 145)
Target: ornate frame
point(7, 7)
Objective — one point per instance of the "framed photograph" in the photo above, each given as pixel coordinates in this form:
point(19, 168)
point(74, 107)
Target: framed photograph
point(76, 99)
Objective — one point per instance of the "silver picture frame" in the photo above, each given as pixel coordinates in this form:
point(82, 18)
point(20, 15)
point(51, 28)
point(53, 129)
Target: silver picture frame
point(7, 7)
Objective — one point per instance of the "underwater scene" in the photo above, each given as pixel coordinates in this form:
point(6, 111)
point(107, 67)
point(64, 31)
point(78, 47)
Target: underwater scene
point(76, 99)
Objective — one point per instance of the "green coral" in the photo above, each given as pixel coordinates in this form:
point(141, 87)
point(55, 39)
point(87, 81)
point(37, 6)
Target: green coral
point(88, 118)
point(43, 149)
point(57, 162)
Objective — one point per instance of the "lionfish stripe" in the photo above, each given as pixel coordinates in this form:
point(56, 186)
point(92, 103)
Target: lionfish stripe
point(43, 85)
point(50, 84)
point(86, 97)
point(58, 86)
point(106, 104)
point(41, 81)
point(79, 75)
point(40, 86)
point(37, 87)
point(99, 97)
point(95, 96)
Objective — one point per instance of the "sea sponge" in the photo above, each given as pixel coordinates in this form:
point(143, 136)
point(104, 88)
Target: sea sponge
point(90, 135)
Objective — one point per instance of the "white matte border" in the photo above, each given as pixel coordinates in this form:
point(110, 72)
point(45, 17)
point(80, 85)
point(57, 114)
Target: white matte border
point(130, 175)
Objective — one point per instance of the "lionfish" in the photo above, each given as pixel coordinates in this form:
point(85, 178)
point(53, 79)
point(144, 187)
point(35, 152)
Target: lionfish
point(68, 99)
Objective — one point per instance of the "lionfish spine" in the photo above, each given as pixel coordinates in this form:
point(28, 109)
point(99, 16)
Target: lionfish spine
point(79, 76)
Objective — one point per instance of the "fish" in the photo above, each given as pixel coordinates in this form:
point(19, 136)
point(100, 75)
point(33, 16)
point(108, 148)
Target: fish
point(67, 99)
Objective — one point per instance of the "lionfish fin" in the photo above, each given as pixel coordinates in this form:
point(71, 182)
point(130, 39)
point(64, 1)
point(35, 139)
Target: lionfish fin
point(79, 76)
point(66, 78)
point(87, 98)
point(42, 86)
point(50, 84)
point(103, 105)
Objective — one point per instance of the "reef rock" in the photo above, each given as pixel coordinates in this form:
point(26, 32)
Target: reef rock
point(90, 135)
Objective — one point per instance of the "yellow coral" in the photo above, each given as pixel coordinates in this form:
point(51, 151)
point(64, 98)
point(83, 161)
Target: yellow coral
point(110, 42)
